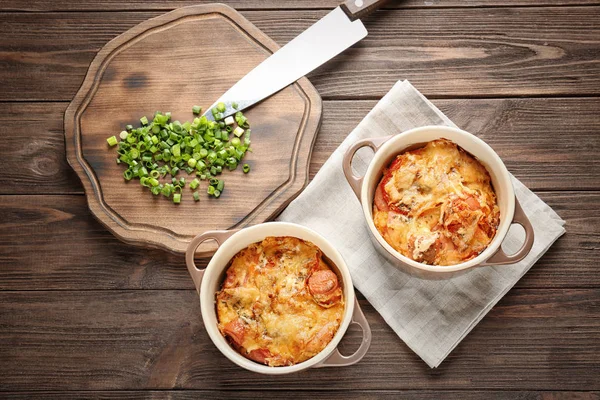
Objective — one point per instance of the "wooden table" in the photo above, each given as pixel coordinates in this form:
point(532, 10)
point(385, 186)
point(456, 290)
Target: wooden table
point(84, 315)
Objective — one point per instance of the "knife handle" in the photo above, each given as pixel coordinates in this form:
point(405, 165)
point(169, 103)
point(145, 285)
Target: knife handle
point(356, 9)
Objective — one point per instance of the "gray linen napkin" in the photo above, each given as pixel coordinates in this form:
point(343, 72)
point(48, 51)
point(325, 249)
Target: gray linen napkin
point(431, 317)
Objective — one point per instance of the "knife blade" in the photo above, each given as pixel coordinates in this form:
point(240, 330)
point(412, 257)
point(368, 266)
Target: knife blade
point(325, 39)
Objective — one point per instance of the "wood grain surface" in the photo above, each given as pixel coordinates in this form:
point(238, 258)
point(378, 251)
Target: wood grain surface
point(308, 395)
point(160, 56)
point(83, 255)
point(117, 5)
point(77, 340)
point(533, 137)
point(83, 315)
point(471, 52)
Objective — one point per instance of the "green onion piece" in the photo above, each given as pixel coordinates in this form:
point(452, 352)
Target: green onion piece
point(174, 171)
point(221, 107)
point(200, 165)
point(229, 121)
point(128, 174)
point(241, 120)
point(236, 142)
point(176, 150)
point(128, 127)
point(182, 181)
point(155, 190)
point(238, 131)
point(144, 120)
point(217, 193)
point(220, 185)
point(153, 181)
point(194, 184)
point(177, 198)
point(192, 162)
point(211, 190)
point(246, 168)
point(134, 153)
point(234, 105)
point(166, 190)
point(219, 169)
point(144, 181)
point(154, 174)
point(112, 141)
point(196, 196)
point(196, 110)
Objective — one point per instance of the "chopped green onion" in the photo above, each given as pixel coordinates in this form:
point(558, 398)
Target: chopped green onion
point(177, 198)
point(211, 190)
point(234, 105)
point(246, 168)
point(202, 148)
point(196, 196)
point(112, 141)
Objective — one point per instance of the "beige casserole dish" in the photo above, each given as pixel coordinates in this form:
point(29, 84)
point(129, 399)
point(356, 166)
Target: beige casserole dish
point(208, 281)
point(386, 148)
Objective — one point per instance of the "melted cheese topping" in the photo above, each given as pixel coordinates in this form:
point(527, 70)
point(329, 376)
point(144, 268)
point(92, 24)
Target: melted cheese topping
point(436, 205)
point(280, 303)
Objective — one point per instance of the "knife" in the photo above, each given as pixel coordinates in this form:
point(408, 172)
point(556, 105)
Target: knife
point(327, 38)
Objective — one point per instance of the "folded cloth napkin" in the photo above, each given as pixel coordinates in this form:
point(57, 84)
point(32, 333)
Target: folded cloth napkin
point(431, 317)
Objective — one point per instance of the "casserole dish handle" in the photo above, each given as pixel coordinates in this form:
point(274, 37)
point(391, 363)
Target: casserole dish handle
point(336, 359)
point(195, 272)
point(500, 257)
point(355, 181)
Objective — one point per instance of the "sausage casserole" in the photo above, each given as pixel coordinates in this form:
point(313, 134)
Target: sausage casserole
point(280, 302)
point(436, 205)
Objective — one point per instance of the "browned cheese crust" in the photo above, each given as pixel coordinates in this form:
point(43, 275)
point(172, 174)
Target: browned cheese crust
point(280, 303)
point(436, 205)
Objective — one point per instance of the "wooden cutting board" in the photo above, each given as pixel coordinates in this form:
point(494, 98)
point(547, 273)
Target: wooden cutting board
point(170, 63)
